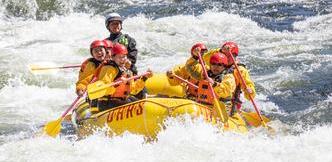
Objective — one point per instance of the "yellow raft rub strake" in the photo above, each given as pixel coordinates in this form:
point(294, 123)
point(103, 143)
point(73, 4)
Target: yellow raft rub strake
point(145, 117)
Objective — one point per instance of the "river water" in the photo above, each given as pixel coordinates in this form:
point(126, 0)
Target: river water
point(287, 45)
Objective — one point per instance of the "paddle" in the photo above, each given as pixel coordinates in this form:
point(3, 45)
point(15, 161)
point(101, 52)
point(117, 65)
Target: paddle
point(221, 109)
point(250, 97)
point(99, 88)
point(53, 128)
point(251, 117)
point(185, 81)
point(34, 68)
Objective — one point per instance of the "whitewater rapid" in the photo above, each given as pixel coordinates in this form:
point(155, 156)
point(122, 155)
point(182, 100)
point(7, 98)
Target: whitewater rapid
point(188, 141)
point(277, 59)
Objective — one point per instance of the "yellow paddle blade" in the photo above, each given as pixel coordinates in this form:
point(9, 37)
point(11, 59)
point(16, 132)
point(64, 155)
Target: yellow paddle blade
point(253, 119)
point(53, 128)
point(221, 110)
point(255, 115)
point(99, 89)
point(237, 124)
point(39, 69)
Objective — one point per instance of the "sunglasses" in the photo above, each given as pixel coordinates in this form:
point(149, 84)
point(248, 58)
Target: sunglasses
point(217, 64)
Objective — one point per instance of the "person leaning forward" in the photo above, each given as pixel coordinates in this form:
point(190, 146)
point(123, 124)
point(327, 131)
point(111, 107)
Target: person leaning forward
point(222, 80)
point(115, 70)
point(113, 23)
point(187, 73)
point(228, 49)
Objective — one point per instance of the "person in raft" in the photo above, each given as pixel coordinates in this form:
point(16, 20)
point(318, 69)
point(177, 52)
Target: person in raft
point(228, 49)
point(221, 78)
point(113, 23)
point(115, 70)
point(181, 71)
point(90, 66)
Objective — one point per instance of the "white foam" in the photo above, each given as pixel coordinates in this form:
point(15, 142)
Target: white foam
point(165, 42)
point(24, 104)
point(189, 141)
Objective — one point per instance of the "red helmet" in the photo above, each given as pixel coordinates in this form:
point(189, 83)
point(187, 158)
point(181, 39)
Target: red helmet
point(198, 45)
point(108, 43)
point(119, 49)
point(230, 46)
point(95, 44)
point(218, 58)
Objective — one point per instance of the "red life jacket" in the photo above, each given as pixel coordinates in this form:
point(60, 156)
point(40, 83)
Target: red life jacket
point(204, 95)
point(192, 91)
point(123, 89)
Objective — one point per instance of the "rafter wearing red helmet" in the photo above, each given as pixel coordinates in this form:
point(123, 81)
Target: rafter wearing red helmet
point(192, 71)
point(222, 80)
point(114, 70)
point(192, 66)
point(187, 71)
point(228, 49)
point(90, 66)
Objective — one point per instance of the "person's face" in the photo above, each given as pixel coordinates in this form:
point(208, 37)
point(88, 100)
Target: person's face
point(108, 54)
point(217, 68)
point(114, 26)
point(120, 60)
point(99, 53)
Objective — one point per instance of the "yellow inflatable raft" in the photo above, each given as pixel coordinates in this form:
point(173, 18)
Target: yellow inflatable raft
point(145, 117)
point(158, 85)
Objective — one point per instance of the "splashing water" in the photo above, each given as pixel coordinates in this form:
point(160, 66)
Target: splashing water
point(290, 64)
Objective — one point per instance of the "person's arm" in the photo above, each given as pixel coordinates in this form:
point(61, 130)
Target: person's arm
point(194, 69)
point(138, 85)
point(250, 84)
point(226, 88)
point(85, 75)
point(178, 70)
